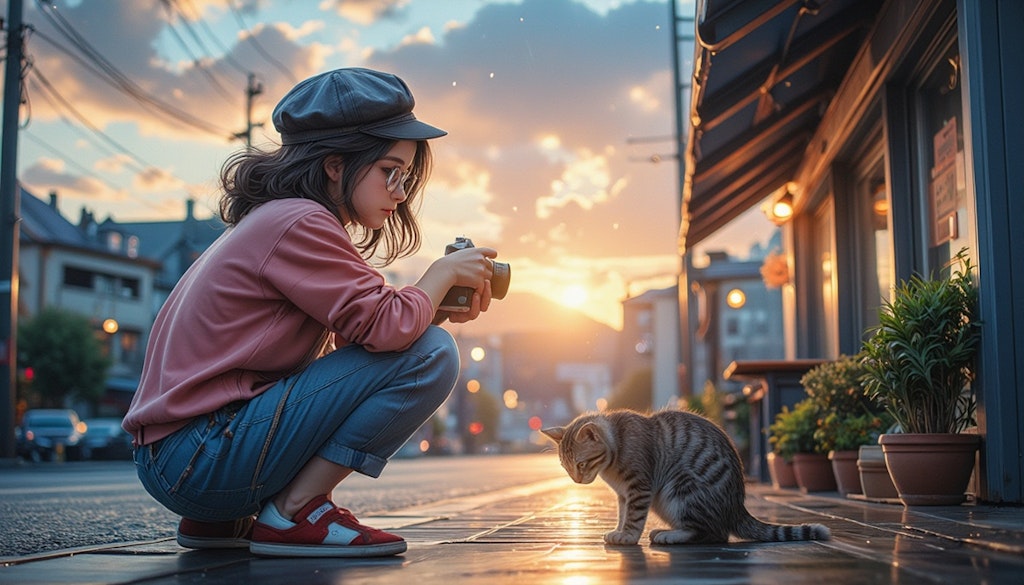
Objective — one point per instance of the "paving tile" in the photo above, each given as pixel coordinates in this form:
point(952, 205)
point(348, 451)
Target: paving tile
point(551, 533)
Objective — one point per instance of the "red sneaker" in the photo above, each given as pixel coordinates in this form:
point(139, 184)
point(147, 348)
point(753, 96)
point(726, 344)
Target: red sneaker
point(230, 534)
point(320, 529)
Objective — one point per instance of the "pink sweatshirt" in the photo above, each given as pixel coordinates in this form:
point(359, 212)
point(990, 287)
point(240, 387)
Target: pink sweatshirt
point(253, 307)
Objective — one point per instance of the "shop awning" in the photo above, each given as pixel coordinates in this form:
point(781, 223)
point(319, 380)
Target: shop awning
point(764, 74)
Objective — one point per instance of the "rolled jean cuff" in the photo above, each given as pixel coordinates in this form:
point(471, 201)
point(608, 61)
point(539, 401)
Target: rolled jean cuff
point(360, 461)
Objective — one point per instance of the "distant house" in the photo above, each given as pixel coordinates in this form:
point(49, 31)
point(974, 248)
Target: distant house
point(174, 244)
point(650, 341)
point(116, 274)
point(103, 278)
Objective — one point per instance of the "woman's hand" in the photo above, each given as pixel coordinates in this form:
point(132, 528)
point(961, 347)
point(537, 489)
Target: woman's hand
point(480, 303)
point(471, 268)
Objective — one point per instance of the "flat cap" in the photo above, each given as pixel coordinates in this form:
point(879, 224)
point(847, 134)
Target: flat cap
point(347, 101)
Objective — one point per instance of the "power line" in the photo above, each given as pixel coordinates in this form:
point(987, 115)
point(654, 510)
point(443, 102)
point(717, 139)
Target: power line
point(85, 55)
point(46, 145)
point(256, 44)
point(108, 72)
point(51, 94)
point(196, 60)
point(160, 108)
point(213, 36)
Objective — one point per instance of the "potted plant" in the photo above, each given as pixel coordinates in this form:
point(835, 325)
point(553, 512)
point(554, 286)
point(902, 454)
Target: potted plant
point(919, 362)
point(875, 480)
point(846, 434)
point(783, 447)
point(849, 416)
point(792, 438)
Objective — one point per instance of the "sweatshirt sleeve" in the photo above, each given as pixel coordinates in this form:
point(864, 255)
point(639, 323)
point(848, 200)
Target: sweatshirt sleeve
point(316, 267)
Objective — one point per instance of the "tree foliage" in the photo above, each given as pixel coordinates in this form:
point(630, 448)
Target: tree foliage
point(634, 391)
point(67, 360)
point(487, 412)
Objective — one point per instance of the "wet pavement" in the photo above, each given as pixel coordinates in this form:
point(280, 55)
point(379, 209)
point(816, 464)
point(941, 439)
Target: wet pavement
point(550, 532)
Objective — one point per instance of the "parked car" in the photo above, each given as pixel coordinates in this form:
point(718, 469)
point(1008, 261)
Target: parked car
point(105, 439)
point(50, 434)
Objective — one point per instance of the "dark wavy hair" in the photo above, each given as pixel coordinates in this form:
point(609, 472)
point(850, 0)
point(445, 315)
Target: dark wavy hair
point(251, 177)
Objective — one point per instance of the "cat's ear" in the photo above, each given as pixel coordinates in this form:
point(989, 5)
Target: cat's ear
point(554, 433)
point(589, 432)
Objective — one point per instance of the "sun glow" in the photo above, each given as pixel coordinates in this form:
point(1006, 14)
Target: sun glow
point(575, 296)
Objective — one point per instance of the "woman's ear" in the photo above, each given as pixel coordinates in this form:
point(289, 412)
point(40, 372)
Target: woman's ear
point(333, 166)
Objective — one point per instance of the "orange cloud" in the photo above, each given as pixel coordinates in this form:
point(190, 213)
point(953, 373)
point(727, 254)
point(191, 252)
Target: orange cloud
point(364, 12)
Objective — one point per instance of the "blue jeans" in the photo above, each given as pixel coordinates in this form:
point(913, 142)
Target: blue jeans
point(353, 407)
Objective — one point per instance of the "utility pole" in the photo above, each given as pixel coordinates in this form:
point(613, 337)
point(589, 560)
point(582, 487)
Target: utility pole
point(253, 89)
point(9, 219)
point(680, 90)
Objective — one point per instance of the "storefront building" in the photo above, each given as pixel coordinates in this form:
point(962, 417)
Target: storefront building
point(894, 129)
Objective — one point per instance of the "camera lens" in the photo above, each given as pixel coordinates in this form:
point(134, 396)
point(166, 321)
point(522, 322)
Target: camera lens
point(501, 276)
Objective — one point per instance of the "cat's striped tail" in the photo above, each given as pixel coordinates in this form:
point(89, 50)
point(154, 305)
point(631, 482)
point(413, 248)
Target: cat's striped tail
point(751, 528)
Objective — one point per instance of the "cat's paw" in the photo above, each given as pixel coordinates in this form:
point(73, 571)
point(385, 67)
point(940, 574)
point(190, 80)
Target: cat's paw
point(671, 536)
point(621, 537)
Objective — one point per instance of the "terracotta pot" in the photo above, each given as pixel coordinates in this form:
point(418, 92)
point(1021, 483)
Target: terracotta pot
point(814, 472)
point(844, 466)
point(930, 469)
point(781, 472)
point(874, 475)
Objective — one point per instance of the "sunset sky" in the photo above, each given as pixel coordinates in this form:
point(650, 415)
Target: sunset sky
point(554, 109)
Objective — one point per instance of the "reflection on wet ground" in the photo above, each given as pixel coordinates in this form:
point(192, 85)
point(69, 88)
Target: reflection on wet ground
point(552, 533)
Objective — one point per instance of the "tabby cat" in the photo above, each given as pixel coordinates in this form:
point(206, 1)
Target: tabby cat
point(679, 464)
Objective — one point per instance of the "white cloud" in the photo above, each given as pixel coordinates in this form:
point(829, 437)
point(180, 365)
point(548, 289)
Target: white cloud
point(152, 180)
point(50, 175)
point(458, 206)
point(424, 36)
point(114, 164)
point(586, 181)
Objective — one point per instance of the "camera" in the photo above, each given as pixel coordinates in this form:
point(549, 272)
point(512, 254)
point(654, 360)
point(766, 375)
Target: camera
point(462, 296)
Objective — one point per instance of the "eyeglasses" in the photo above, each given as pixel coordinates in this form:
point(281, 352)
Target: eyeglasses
point(396, 176)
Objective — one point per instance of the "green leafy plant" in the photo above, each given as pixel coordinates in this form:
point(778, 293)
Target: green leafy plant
point(849, 416)
point(845, 432)
point(921, 357)
point(836, 385)
point(792, 431)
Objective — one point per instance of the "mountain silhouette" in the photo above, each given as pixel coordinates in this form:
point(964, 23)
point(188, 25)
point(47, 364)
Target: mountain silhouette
point(527, 312)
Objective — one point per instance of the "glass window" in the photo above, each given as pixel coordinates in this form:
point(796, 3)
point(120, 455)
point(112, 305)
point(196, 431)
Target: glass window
point(948, 224)
point(131, 347)
point(77, 277)
point(130, 288)
point(822, 271)
point(874, 241)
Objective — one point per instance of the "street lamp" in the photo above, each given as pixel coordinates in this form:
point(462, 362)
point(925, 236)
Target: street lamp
point(736, 298)
point(511, 399)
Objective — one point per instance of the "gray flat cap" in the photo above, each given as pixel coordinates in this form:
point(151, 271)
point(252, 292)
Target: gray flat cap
point(346, 101)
